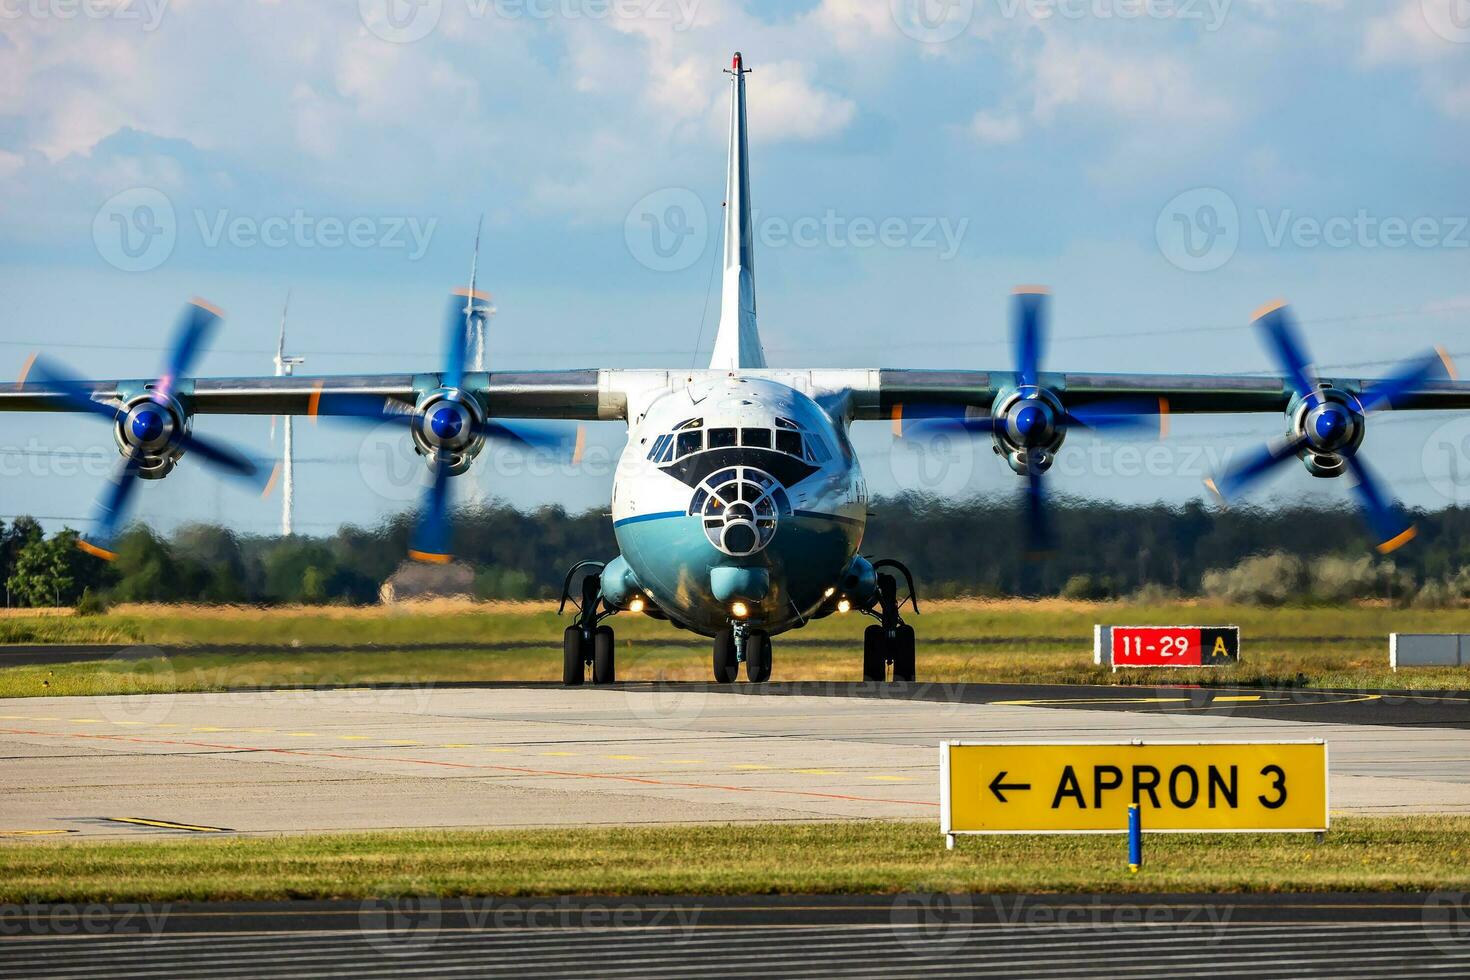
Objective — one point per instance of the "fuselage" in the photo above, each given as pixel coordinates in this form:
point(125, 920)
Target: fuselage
point(738, 490)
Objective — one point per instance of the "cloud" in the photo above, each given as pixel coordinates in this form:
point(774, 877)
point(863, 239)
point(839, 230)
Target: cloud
point(1422, 36)
point(995, 127)
point(793, 108)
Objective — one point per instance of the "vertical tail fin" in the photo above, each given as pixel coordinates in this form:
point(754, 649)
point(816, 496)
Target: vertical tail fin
point(737, 342)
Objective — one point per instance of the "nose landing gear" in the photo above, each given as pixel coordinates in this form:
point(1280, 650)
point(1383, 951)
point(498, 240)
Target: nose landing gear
point(890, 640)
point(587, 642)
point(739, 643)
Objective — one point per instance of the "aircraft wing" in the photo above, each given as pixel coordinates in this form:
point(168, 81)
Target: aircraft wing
point(894, 394)
point(509, 394)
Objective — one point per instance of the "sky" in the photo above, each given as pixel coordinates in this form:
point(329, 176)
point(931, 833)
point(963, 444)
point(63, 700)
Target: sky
point(1165, 166)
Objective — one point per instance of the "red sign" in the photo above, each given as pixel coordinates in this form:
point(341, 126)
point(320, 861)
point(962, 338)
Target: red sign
point(1174, 646)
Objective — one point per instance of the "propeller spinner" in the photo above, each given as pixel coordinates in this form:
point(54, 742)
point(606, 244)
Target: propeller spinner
point(152, 428)
point(1327, 425)
point(1028, 421)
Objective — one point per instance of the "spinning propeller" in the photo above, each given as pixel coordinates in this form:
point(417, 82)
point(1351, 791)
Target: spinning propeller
point(1327, 425)
point(449, 427)
point(1028, 420)
point(152, 428)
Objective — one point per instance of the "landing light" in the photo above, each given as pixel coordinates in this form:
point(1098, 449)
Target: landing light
point(636, 605)
point(739, 610)
point(843, 605)
point(829, 593)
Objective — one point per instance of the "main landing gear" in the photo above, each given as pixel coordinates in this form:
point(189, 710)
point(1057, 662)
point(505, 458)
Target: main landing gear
point(739, 643)
point(587, 642)
point(890, 640)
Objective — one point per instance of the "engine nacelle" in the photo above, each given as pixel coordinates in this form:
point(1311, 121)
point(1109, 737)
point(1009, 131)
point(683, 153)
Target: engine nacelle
point(1331, 426)
point(151, 428)
point(449, 428)
point(1029, 430)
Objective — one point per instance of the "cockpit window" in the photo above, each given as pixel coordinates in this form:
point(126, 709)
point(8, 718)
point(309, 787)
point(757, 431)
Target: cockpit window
point(815, 451)
point(689, 424)
point(756, 437)
point(721, 438)
point(788, 442)
point(658, 447)
point(786, 424)
point(690, 442)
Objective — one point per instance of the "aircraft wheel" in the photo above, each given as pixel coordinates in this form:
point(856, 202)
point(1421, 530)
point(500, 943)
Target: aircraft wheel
point(603, 656)
point(875, 654)
point(904, 657)
point(573, 663)
point(757, 657)
point(726, 666)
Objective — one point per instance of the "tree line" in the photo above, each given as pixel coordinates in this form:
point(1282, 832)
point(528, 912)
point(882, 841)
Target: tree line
point(966, 548)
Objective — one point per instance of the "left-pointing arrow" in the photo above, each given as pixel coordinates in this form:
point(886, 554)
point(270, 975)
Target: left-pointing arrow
point(998, 785)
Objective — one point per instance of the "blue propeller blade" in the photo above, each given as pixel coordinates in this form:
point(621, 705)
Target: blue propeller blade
point(559, 440)
point(456, 336)
point(196, 327)
point(1255, 466)
point(76, 394)
point(1435, 364)
point(1038, 527)
point(431, 534)
point(112, 505)
point(1389, 525)
point(1276, 323)
point(230, 460)
point(1030, 332)
point(371, 409)
point(1136, 414)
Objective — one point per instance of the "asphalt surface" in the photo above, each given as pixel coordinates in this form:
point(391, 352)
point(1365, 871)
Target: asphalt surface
point(916, 934)
point(304, 761)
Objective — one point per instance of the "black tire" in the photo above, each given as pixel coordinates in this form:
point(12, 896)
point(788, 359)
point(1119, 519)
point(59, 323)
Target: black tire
point(604, 652)
point(573, 661)
point(757, 657)
point(727, 668)
point(875, 655)
point(904, 657)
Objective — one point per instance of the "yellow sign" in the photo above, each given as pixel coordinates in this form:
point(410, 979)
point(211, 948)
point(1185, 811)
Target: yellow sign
point(1087, 787)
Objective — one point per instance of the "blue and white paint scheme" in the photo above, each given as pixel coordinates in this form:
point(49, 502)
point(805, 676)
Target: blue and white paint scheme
point(738, 505)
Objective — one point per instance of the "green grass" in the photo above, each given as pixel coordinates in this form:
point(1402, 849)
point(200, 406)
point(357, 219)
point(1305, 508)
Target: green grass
point(964, 641)
point(1387, 854)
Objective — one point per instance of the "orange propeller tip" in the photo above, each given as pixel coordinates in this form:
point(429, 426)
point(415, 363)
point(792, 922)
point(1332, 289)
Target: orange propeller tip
point(314, 403)
point(1399, 540)
point(94, 551)
point(896, 413)
point(25, 370)
point(1163, 417)
point(430, 557)
point(1031, 291)
point(1448, 362)
point(1210, 483)
point(1267, 309)
point(205, 304)
point(581, 446)
point(270, 484)
point(468, 293)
